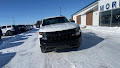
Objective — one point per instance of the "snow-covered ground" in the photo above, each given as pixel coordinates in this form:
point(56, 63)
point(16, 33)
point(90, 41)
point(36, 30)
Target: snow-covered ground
point(99, 49)
point(106, 29)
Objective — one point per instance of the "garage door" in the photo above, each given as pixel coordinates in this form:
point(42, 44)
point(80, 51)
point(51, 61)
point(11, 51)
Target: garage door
point(89, 18)
point(72, 18)
point(79, 19)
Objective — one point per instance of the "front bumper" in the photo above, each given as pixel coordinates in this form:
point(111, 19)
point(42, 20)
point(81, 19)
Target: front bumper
point(1, 34)
point(62, 44)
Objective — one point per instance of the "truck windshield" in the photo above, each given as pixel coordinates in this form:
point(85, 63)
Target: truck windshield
point(54, 20)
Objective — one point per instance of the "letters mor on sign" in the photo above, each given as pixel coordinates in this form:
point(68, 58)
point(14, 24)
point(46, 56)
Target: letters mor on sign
point(107, 6)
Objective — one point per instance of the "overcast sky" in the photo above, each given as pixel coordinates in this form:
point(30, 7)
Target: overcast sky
point(30, 11)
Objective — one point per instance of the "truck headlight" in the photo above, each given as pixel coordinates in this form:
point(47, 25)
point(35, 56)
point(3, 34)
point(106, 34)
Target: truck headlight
point(77, 29)
point(44, 35)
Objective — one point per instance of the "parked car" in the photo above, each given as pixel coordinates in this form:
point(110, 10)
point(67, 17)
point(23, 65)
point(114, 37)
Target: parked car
point(26, 28)
point(0, 33)
point(59, 33)
point(29, 27)
point(22, 28)
point(32, 26)
point(10, 30)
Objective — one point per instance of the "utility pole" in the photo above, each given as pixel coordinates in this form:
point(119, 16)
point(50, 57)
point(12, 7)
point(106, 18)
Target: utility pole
point(60, 11)
point(28, 20)
point(13, 21)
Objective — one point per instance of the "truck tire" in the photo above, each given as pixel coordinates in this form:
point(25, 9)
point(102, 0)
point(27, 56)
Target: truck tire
point(78, 45)
point(0, 37)
point(43, 50)
point(9, 33)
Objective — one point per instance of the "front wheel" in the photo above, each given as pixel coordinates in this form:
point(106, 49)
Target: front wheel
point(9, 33)
point(79, 43)
point(43, 49)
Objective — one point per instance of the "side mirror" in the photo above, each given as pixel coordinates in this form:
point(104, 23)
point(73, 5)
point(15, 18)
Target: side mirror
point(72, 21)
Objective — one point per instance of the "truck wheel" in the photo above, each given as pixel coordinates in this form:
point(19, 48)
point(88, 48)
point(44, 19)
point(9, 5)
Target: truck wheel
point(78, 45)
point(0, 37)
point(9, 33)
point(43, 50)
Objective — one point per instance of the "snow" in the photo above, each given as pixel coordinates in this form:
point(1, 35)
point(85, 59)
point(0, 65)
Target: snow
point(99, 49)
point(107, 29)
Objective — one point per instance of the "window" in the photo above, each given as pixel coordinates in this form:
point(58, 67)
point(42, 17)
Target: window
point(3, 27)
point(116, 17)
point(105, 18)
point(9, 26)
point(54, 20)
point(110, 18)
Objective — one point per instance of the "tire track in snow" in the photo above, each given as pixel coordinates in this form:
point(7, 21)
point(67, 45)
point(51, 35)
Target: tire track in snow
point(28, 49)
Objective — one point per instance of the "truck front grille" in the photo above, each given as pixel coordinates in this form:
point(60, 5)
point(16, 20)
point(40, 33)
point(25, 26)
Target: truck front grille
point(59, 36)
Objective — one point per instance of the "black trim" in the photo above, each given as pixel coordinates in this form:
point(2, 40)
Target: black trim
point(64, 44)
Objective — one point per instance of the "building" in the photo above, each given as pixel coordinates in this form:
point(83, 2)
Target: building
point(99, 13)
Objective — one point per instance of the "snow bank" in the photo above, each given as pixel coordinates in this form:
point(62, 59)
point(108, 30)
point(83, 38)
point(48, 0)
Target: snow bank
point(82, 26)
point(106, 29)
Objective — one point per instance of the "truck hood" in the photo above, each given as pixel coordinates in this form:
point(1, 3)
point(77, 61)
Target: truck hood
point(58, 27)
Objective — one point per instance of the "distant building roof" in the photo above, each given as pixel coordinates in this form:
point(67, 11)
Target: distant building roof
point(85, 7)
